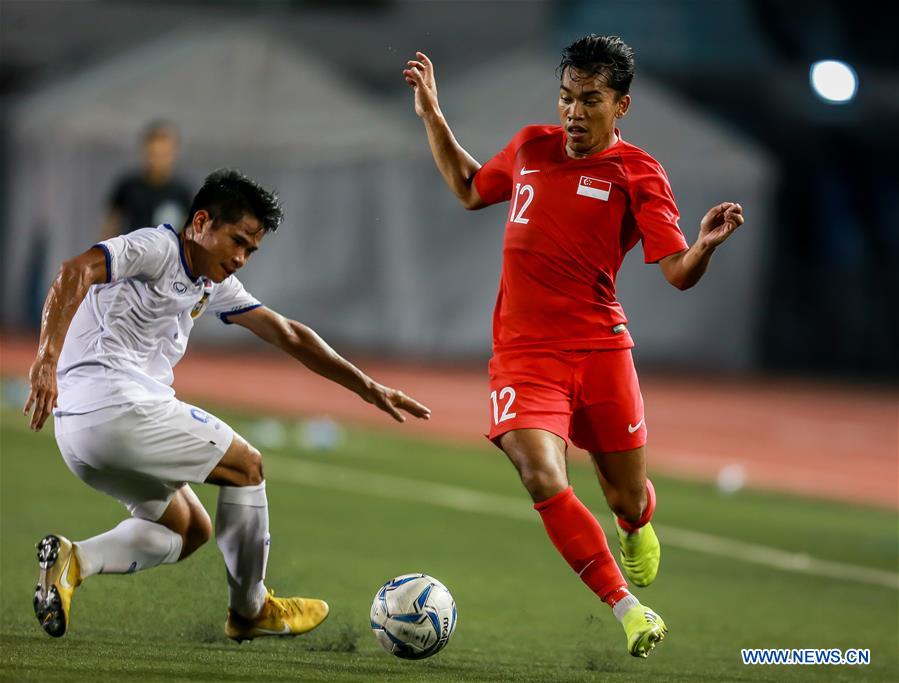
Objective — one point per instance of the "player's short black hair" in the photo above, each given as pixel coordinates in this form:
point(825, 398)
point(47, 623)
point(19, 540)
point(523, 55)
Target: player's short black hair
point(601, 55)
point(228, 195)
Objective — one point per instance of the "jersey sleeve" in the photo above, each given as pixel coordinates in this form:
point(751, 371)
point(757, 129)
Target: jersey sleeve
point(493, 180)
point(142, 254)
point(229, 298)
point(655, 210)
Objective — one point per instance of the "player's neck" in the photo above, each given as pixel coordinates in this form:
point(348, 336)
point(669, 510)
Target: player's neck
point(186, 245)
point(608, 141)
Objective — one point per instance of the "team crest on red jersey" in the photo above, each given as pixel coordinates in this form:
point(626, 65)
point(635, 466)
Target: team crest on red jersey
point(594, 187)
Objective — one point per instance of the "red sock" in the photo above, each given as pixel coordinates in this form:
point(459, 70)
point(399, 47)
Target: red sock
point(647, 512)
point(580, 540)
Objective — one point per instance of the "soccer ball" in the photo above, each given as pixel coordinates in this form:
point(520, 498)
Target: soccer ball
point(413, 616)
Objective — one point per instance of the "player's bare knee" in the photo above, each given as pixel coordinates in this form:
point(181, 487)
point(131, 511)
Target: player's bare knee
point(541, 483)
point(253, 471)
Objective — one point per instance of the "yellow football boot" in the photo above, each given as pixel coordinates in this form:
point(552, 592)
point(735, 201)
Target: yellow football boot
point(279, 617)
point(59, 577)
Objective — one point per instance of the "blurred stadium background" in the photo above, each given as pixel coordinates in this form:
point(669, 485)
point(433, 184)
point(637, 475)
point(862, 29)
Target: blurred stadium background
point(778, 371)
point(378, 257)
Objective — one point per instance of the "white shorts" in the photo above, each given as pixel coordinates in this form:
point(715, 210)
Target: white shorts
point(141, 454)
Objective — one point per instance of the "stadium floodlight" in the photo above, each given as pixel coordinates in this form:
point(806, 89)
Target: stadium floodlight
point(833, 81)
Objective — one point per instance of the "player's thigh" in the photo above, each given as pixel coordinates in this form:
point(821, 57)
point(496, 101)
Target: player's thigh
point(144, 497)
point(608, 412)
point(143, 454)
point(530, 390)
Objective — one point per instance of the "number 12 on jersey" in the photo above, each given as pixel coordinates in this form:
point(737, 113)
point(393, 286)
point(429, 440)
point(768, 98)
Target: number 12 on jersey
point(526, 191)
point(503, 393)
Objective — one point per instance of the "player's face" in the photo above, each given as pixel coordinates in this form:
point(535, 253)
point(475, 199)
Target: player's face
point(160, 153)
point(223, 250)
point(588, 108)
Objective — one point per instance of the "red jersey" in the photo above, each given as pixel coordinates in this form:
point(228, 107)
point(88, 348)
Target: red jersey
point(570, 224)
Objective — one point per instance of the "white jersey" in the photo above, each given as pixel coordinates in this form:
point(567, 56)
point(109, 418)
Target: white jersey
point(129, 333)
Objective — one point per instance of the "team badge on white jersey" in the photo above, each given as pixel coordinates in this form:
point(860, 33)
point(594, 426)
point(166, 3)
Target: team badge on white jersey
point(594, 187)
point(204, 300)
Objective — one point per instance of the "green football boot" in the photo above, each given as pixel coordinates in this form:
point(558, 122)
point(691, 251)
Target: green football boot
point(643, 628)
point(640, 554)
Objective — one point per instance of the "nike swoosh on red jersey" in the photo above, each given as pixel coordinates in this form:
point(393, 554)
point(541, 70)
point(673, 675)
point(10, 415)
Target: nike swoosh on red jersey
point(634, 428)
point(525, 171)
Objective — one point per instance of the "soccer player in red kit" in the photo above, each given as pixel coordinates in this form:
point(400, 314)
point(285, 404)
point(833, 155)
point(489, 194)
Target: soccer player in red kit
point(580, 198)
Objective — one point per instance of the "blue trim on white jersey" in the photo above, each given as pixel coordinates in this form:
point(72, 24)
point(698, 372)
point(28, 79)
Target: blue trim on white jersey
point(224, 316)
point(108, 260)
point(181, 252)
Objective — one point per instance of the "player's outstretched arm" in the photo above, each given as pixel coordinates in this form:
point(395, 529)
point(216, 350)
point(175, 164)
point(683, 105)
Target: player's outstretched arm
point(686, 268)
point(66, 294)
point(306, 346)
point(455, 164)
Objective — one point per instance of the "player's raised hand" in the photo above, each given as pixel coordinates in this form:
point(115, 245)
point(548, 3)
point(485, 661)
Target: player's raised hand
point(719, 222)
point(419, 74)
point(392, 401)
point(43, 393)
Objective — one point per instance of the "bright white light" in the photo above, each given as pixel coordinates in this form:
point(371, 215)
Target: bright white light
point(833, 81)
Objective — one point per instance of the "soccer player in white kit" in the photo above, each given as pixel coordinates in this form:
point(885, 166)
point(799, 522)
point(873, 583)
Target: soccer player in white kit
point(115, 323)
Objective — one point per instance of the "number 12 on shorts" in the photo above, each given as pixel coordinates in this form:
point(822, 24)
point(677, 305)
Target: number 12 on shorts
point(504, 393)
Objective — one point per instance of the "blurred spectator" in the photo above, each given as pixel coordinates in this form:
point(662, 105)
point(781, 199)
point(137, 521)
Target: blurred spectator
point(152, 194)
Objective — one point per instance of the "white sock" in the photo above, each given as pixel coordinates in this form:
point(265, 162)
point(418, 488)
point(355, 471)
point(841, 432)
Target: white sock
point(133, 545)
point(623, 605)
point(241, 531)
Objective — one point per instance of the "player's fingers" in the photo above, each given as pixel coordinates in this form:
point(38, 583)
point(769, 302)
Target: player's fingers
point(424, 58)
point(413, 407)
point(415, 75)
point(28, 403)
point(394, 413)
point(712, 213)
point(415, 65)
point(36, 419)
point(733, 214)
point(385, 401)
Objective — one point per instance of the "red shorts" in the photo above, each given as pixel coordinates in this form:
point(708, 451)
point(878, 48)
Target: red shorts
point(589, 398)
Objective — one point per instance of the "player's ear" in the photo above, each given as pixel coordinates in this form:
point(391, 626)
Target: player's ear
point(623, 104)
point(201, 221)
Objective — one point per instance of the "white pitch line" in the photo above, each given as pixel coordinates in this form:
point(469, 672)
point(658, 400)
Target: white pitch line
point(469, 500)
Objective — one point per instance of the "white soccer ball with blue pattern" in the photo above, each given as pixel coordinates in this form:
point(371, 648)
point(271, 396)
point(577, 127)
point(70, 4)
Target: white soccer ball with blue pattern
point(413, 616)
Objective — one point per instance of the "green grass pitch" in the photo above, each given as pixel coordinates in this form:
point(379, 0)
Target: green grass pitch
point(346, 520)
